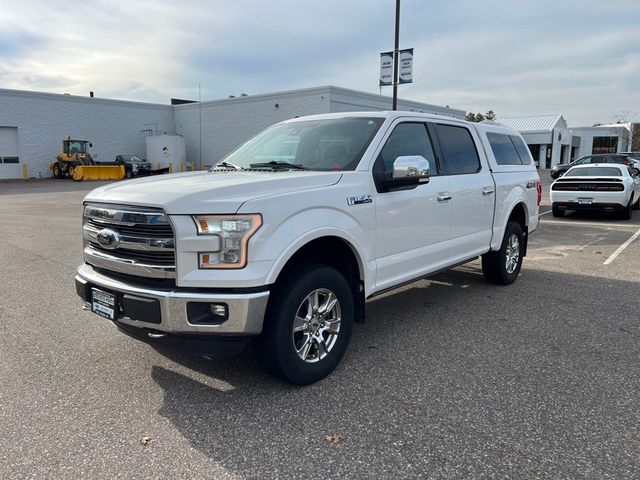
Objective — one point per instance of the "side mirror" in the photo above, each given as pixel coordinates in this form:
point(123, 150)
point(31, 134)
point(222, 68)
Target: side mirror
point(408, 171)
point(90, 145)
point(413, 166)
point(634, 171)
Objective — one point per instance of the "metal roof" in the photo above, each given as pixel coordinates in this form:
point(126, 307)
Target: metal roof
point(536, 123)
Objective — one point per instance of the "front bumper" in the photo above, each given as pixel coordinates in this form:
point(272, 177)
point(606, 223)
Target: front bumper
point(168, 311)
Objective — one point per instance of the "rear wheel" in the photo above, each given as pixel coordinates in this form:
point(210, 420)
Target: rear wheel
point(636, 206)
point(557, 212)
point(503, 267)
point(628, 211)
point(308, 325)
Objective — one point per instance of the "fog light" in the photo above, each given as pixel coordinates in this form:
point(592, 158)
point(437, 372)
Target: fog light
point(219, 309)
point(202, 313)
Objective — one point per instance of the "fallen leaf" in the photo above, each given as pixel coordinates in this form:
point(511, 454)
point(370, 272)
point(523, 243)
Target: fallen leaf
point(146, 440)
point(335, 438)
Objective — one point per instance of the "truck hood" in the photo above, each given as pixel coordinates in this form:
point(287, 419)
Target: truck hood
point(208, 192)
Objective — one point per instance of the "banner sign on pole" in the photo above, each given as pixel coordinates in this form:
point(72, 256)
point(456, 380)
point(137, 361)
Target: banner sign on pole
point(386, 69)
point(406, 66)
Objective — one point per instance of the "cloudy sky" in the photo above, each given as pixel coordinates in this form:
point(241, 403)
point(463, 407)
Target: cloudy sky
point(525, 57)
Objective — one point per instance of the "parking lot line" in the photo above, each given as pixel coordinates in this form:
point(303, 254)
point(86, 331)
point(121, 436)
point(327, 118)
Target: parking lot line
point(608, 226)
point(544, 213)
point(621, 248)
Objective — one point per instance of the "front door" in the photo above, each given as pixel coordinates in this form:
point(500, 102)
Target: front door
point(412, 224)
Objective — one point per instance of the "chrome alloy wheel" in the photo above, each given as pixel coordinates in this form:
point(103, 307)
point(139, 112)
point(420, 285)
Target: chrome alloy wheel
point(316, 325)
point(512, 253)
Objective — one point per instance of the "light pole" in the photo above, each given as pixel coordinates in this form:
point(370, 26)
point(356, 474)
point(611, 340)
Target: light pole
point(396, 57)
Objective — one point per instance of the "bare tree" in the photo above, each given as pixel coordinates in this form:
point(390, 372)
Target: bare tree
point(630, 119)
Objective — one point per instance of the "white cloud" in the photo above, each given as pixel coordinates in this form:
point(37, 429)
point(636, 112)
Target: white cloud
point(518, 58)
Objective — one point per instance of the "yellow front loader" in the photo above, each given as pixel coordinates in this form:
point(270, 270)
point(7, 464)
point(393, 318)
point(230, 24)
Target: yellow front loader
point(76, 162)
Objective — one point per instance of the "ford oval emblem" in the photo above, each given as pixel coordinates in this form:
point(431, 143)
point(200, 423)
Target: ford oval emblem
point(108, 239)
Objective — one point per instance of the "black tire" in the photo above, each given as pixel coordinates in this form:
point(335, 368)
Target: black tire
point(275, 349)
point(636, 206)
point(128, 174)
point(494, 264)
point(628, 211)
point(557, 212)
point(57, 171)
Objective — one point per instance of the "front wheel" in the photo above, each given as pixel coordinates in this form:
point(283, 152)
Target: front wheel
point(503, 267)
point(57, 171)
point(308, 325)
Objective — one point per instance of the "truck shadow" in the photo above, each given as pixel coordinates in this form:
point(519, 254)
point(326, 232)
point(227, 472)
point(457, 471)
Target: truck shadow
point(398, 390)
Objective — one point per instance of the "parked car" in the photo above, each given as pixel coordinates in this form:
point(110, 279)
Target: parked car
point(134, 165)
point(600, 186)
point(621, 158)
point(634, 155)
point(282, 241)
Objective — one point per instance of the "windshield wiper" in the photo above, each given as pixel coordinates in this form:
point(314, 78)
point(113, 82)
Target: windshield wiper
point(276, 164)
point(226, 164)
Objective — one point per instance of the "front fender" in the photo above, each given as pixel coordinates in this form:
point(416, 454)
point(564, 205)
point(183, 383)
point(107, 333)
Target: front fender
point(286, 238)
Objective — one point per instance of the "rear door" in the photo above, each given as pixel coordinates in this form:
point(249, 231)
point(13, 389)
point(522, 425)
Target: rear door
point(472, 190)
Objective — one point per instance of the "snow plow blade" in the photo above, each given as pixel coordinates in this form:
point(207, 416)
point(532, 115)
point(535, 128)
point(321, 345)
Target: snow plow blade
point(98, 172)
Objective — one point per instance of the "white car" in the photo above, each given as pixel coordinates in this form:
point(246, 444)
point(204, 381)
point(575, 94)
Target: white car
point(599, 186)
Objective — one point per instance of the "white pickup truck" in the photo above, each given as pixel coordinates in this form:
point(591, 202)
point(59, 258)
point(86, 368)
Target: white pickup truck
point(284, 239)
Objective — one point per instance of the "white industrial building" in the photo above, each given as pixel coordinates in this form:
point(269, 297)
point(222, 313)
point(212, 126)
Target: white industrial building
point(33, 124)
point(613, 138)
point(551, 141)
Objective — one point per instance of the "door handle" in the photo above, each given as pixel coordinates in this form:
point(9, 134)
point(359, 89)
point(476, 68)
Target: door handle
point(444, 197)
point(487, 191)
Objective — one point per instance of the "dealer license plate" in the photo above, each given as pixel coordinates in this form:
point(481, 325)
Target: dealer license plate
point(103, 304)
point(585, 201)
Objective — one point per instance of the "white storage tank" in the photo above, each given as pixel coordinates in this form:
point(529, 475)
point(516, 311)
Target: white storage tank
point(167, 153)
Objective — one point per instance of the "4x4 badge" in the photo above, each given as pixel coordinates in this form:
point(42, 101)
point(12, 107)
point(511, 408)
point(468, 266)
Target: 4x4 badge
point(357, 200)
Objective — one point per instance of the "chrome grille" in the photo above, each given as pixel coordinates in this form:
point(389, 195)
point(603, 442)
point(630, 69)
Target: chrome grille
point(131, 240)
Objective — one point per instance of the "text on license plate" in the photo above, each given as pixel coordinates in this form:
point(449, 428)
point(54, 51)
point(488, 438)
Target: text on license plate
point(103, 304)
point(585, 201)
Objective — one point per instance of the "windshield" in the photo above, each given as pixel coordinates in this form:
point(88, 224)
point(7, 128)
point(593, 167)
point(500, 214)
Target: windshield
point(594, 172)
point(335, 144)
point(76, 146)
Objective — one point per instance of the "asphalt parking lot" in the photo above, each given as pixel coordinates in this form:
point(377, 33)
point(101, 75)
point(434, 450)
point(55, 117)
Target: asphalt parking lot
point(448, 378)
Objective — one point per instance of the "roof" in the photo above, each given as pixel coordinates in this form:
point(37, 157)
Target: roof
point(374, 114)
point(536, 123)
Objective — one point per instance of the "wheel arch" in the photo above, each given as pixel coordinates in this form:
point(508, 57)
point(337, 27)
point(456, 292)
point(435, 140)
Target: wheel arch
point(517, 211)
point(329, 249)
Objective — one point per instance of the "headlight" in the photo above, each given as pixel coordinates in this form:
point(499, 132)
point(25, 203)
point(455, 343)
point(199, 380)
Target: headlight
point(233, 232)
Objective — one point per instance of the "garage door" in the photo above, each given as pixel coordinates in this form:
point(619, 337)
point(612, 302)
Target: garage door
point(9, 156)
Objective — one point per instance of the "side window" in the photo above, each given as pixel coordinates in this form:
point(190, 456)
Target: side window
point(584, 160)
point(522, 149)
point(503, 149)
point(406, 139)
point(458, 149)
